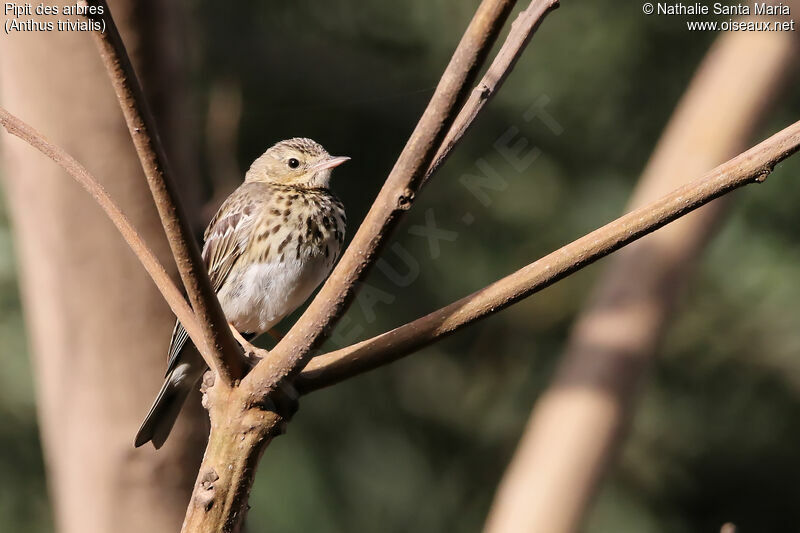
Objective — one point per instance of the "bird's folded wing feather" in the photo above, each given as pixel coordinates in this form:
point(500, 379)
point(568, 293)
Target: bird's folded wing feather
point(225, 240)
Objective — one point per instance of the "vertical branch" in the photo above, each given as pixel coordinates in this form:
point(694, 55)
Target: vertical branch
point(223, 353)
point(575, 429)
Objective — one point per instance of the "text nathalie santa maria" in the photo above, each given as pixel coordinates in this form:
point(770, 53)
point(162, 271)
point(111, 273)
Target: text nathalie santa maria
point(718, 8)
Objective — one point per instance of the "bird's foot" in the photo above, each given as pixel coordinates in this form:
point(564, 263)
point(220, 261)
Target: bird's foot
point(252, 353)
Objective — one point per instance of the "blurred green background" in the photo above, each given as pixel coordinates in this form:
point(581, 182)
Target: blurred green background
point(715, 438)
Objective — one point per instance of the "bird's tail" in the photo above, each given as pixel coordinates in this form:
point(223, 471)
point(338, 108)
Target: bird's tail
point(159, 421)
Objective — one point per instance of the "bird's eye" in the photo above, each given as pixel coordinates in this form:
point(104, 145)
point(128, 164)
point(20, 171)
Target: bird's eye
point(294, 163)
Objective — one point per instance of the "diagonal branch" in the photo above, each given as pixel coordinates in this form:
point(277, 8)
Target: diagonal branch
point(222, 353)
point(395, 198)
point(754, 165)
point(165, 285)
point(522, 29)
point(595, 388)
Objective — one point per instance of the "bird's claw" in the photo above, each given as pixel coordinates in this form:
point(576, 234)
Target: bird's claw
point(251, 352)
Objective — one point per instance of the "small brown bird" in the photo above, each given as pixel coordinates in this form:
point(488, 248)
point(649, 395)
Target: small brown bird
point(273, 241)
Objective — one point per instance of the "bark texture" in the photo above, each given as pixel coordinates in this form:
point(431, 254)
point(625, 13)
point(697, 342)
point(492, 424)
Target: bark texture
point(98, 328)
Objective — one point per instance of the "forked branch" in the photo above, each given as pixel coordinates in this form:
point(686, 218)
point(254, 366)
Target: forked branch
point(243, 419)
point(522, 29)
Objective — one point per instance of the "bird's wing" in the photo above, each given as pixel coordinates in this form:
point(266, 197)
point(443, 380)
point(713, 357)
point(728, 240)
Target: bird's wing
point(225, 241)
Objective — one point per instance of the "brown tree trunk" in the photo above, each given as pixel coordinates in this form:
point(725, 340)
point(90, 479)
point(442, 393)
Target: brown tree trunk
point(98, 328)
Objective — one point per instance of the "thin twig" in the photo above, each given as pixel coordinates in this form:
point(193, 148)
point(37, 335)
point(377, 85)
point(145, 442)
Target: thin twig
point(751, 166)
point(165, 285)
point(522, 29)
point(222, 353)
point(395, 198)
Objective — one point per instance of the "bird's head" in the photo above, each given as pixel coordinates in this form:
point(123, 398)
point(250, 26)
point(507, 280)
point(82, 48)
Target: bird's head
point(299, 162)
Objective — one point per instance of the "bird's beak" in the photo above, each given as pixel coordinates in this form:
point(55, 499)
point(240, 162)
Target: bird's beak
point(330, 163)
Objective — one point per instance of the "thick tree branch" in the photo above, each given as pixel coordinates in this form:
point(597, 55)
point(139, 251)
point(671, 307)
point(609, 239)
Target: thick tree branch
point(221, 352)
point(754, 165)
point(395, 198)
point(522, 29)
point(165, 285)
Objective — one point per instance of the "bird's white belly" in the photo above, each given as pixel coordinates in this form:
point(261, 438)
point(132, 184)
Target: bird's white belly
point(263, 293)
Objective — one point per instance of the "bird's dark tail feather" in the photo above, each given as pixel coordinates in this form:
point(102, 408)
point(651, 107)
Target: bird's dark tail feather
point(159, 421)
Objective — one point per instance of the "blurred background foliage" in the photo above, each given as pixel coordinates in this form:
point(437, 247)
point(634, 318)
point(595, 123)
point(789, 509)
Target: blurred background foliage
point(421, 445)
